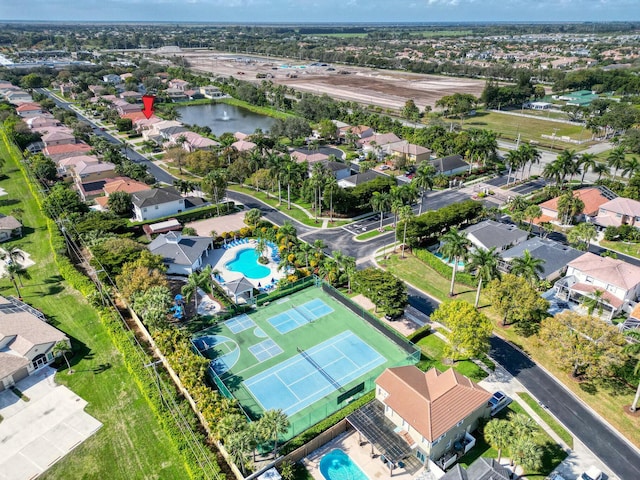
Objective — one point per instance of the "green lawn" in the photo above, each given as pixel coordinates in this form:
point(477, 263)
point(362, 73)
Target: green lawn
point(425, 278)
point(509, 126)
point(548, 419)
point(131, 443)
point(374, 233)
point(432, 349)
point(552, 453)
point(628, 248)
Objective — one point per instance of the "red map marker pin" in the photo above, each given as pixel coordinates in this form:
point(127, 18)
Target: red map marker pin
point(147, 101)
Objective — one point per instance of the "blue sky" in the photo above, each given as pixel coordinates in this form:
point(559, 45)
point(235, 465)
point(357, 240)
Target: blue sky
point(246, 11)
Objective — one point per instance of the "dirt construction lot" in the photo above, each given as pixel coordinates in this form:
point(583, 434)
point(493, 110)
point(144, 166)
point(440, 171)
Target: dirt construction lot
point(385, 88)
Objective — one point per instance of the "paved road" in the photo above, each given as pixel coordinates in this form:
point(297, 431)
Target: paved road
point(161, 175)
point(621, 458)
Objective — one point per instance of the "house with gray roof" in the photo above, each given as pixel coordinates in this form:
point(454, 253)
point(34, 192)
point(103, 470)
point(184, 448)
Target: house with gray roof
point(10, 228)
point(489, 233)
point(556, 256)
point(26, 341)
point(359, 178)
point(157, 203)
point(450, 165)
point(182, 254)
point(481, 469)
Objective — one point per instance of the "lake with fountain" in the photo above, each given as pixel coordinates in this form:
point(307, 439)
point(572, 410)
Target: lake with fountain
point(221, 118)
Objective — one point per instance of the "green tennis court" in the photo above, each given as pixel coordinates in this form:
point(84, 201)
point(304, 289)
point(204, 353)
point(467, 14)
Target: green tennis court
point(308, 354)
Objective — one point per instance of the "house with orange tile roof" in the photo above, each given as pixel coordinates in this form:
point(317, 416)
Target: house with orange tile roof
point(58, 153)
point(29, 110)
point(617, 281)
point(433, 411)
point(592, 197)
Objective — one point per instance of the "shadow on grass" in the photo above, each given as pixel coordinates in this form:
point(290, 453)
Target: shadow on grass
point(7, 202)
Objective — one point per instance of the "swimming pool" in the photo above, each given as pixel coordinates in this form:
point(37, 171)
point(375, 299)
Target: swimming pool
point(336, 465)
point(246, 262)
point(446, 260)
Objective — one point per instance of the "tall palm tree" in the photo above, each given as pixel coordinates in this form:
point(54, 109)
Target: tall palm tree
point(275, 163)
point(424, 180)
point(305, 249)
point(286, 235)
point(568, 207)
point(197, 280)
point(498, 433)
point(531, 213)
point(62, 348)
point(587, 162)
point(634, 349)
point(485, 264)
point(616, 158)
point(631, 167)
point(569, 164)
point(526, 453)
point(454, 245)
point(239, 447)
point(514, 159)
point(331, 186)
point(527, 267)
point(319, 174)
point(601, 169)
point(380, 202)
point(292, 174)
point(406, 214)
point(10, 272)
point(553, 171)
point(275, 423)
point(532, 155)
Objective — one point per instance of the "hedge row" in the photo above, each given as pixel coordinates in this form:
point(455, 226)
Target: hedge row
point(420, 333)
point(318, 428)
point(442, 268)
point(124, 342)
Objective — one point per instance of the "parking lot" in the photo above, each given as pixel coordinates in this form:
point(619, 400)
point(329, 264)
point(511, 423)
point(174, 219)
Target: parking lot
point(36, 434)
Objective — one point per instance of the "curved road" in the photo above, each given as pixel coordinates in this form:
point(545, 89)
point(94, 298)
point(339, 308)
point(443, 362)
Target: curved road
point(583, 423)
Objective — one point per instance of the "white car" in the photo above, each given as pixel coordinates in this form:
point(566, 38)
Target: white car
point(498, 402)
point(592, 473)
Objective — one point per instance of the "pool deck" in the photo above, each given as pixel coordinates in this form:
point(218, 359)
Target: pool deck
point(219, 257)
point(361, 455)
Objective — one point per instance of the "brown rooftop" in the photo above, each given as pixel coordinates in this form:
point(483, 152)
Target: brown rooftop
point(432, 402)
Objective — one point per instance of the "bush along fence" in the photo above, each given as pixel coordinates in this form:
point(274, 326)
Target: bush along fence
point(134, 357)
point(443, 269)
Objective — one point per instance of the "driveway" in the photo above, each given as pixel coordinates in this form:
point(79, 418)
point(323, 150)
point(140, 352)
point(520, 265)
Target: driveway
point(36, 434)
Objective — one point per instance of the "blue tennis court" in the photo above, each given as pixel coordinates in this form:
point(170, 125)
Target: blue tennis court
point(265, 350)
point(300, 315)
point(305, 378)
point(240, 323)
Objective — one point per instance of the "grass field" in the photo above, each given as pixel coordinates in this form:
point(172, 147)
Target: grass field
point(509, 126)
point(374, 233)
point(246, 374)
point(433, 349)
point(548, 419)
point(628, 248)
point(131, 443)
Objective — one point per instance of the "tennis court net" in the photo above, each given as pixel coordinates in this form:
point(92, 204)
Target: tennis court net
point(303, 314)
point(322, 371)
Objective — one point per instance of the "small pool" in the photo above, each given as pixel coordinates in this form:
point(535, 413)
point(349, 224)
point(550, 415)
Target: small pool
point(336, 465)
point(246, 262)
point(446, 260)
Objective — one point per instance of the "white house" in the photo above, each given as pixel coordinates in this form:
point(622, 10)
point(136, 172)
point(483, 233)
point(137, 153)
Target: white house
point(618, 281)
point(181, 254)
point(432, 410)
point(26, 341)
point(488, 234)
point(157, 203)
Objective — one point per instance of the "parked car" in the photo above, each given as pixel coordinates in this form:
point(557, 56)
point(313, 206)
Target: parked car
point(384, 167)
point(592, 473)
point(498, 402)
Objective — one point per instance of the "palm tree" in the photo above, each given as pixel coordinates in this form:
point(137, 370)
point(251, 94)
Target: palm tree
point(601, 169)
point(498, 433)
point(593, 302)
point(531, 213)
point(453, 245)
point(583, 232)
point(197, 280)
point(588, 161)
point(286, 235)
point(261, 247)
point(615, 159)
point(569, 206)
point(631, 167)
point(349, 265)
point(292, 174)
point(10, 272)
point(424, 180)
point(305, 249)
point(239, 447)
point(527, 267)
point(514, 159)
point(318, 248)
point(485, 264)
point(568, 162)
point(406, 214)
point(275, 422)
point(552, 171)
point(61, 348)
point(215, 184)
point(252, 217)
point(380, 202)
point(634, 349)
point(531, 154)
point(318, 179)
point(275, 163)
point(331, 186)
point(526, 453)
